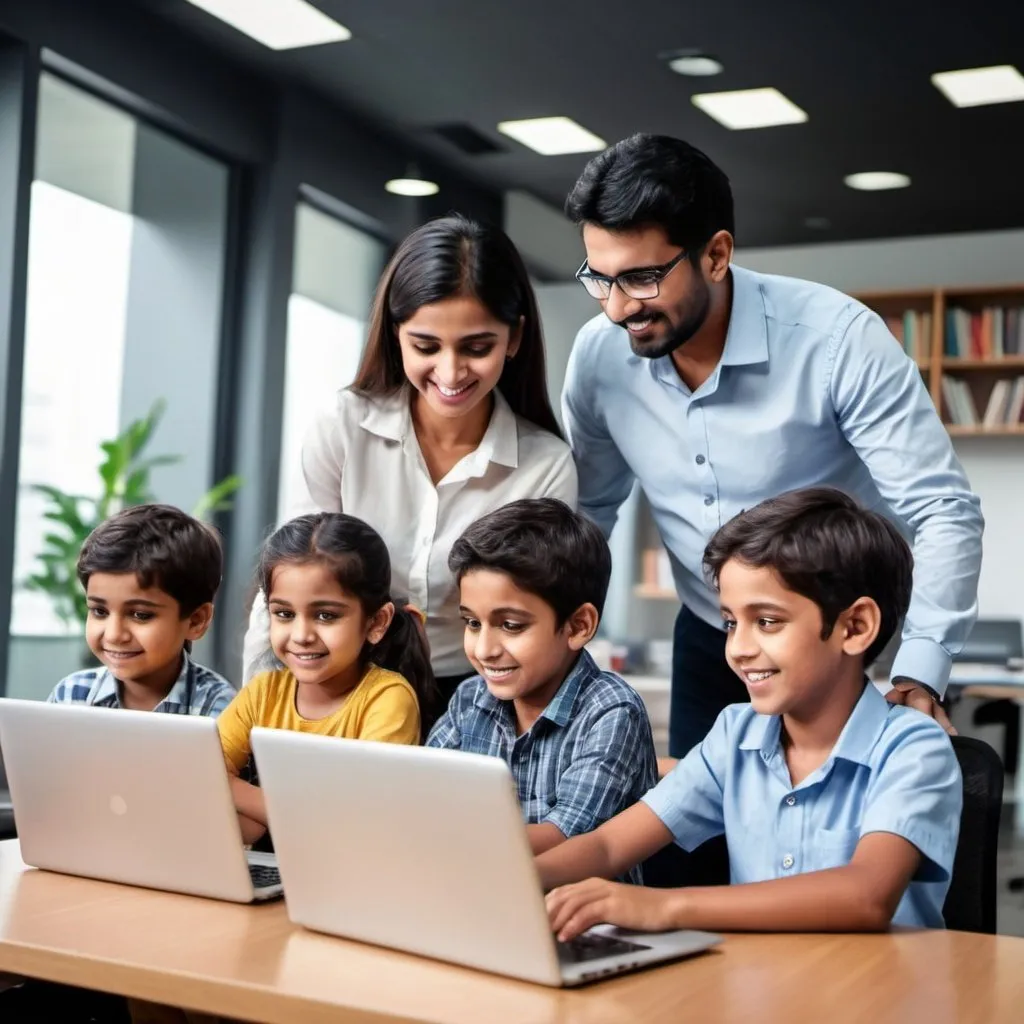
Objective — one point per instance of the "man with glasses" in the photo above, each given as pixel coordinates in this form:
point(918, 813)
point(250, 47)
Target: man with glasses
point(716, 387)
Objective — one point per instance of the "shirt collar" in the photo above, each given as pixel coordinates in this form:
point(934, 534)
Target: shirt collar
point(746, 341)
point(107, 688)
point(560, 709)
point(500, 443)
point(856, 741)
point(389, 416)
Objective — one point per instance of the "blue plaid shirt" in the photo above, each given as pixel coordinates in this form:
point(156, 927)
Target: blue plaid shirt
point(197, 690)
point(588, 756)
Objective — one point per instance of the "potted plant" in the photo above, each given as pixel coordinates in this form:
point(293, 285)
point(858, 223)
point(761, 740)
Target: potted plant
point(124, 481)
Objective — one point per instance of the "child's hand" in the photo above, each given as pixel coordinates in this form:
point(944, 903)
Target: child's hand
point(575, 908)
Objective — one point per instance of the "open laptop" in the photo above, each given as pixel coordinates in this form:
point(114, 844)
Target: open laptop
point(128, 796)
point(425, 851)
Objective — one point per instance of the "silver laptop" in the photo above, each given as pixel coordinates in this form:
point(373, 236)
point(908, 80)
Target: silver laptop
point(128, 796)
point(425, 851)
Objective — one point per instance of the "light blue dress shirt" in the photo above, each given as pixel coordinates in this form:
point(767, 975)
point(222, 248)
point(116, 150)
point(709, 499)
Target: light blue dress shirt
point(811, 390)
point(891, 770)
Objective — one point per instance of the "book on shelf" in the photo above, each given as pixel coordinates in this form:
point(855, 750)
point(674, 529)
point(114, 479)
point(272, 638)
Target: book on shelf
point(991, 333)
point(1005, 406)
point(657, 570)
point(913, 330)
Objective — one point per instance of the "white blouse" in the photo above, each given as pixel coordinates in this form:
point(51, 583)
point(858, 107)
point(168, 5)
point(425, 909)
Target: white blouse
point(362, 457)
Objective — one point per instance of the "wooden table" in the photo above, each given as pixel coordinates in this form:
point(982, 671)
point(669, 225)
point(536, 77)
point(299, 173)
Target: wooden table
point(251, 963)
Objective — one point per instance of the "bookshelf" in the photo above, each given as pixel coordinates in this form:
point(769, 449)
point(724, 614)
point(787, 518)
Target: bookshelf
point(968, 343)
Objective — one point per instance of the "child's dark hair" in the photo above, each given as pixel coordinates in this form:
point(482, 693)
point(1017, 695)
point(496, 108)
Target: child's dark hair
point(827, 548)
point(358, 557)
point(164, 547)
point(545, 548)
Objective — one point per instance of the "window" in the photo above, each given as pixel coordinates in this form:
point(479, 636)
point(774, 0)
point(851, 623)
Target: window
point(335, 273)
point(123, 307)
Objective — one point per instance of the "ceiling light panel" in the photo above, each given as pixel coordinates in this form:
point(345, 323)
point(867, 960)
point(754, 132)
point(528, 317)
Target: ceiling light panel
point(978, 87)
point(552, 136)
point(278, 24)
point(750, 108)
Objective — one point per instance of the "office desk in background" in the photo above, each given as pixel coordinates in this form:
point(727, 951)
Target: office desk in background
point(248, 962)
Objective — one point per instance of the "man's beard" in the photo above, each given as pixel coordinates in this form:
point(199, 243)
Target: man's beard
point(677, 335)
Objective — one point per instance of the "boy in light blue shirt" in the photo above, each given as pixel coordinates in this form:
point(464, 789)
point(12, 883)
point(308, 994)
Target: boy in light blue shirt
point(841, 810)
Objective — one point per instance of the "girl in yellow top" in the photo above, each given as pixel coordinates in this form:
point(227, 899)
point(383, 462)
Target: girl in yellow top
point(354, 667)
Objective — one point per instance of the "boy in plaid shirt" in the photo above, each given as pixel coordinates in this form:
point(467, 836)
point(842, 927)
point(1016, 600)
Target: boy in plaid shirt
point(150, 575)
point(533, 576)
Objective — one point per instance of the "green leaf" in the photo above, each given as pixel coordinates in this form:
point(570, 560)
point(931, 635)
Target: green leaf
point(137, 435)
point(156, 460)
point(215, 499)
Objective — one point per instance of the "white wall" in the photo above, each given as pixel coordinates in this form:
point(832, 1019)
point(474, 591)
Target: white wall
point(564, 309)
point(995, 466)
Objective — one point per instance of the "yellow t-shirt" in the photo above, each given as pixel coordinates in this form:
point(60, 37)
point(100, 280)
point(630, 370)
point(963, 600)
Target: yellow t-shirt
point(382, 707)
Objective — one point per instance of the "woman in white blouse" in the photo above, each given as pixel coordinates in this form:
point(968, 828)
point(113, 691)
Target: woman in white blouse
point(448, 419)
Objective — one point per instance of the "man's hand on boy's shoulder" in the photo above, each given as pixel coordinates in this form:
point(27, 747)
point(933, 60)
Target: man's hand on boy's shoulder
point(572, 909)
point(914, 695)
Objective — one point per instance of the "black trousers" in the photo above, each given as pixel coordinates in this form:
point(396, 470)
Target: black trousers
point(446, 687)
point(702, 682)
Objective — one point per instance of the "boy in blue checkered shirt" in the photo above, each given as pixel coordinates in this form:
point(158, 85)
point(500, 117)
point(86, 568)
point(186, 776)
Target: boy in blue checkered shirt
point(532, 577)
point(150, 575)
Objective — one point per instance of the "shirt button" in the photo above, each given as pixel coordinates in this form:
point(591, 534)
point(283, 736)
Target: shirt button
point(708, 500)
point(790, 800)
point(787, 861)
point(700, 460)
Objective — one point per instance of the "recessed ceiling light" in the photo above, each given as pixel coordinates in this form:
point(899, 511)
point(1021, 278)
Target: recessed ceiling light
point(976, 87)
point(279, 24)
point(749, 108)
point(876, 181)
point(413, 184)
point(552, 136)
point(697, 65)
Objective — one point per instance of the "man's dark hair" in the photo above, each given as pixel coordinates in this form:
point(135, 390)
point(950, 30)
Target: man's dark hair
point(545, 548)
point(656, 180)
point(165, 548)
point(826, 547)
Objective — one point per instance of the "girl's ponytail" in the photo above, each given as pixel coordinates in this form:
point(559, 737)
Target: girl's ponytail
point(403, 649)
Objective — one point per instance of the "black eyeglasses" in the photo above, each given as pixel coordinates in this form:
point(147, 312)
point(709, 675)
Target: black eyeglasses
point(637, 284)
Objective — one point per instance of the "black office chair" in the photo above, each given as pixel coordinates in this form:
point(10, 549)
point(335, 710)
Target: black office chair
point(997, 642)
point(971, 901)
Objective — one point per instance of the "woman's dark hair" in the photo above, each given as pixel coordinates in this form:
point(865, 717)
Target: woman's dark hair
point(827, 548)
point(655, 180)
point(448, 257)
point(545, 548)
point(357, 556)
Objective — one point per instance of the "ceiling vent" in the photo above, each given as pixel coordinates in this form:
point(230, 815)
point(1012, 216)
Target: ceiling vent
point(467, 139)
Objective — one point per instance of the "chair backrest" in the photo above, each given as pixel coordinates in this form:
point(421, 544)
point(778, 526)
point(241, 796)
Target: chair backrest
point(971, 901)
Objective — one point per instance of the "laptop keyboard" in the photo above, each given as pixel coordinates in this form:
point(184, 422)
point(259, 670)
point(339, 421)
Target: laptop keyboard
point(263, 876)
point(591, 946)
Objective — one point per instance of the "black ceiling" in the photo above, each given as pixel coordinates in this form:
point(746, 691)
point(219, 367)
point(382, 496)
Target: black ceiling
point(860, 71)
